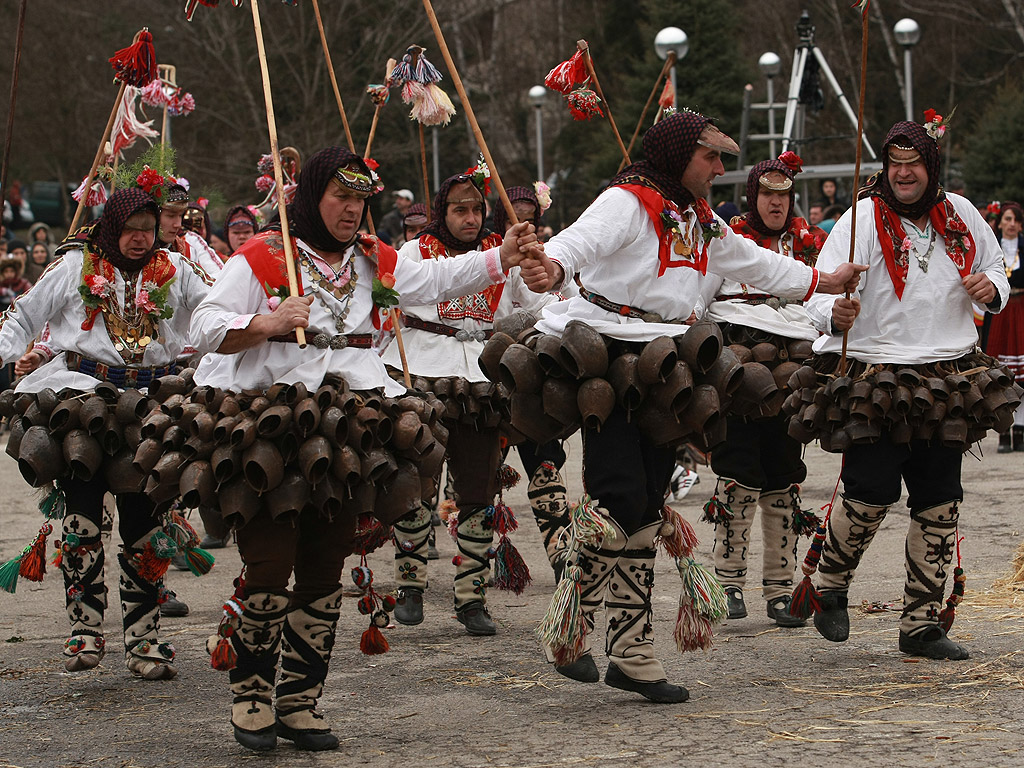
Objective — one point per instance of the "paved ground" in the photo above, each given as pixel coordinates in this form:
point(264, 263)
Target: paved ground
point(762, 695)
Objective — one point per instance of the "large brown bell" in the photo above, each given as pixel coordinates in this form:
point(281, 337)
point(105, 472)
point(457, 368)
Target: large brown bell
point(121, 475)
point(64, 416)
point(596, 400)
point(559, 400)
point(758, 383)
point(362, 428)
point(196, 485)
point(659, 427)
point(673, 396)
point(224, 427)
point(131, 406)
point(146, 456)
point(82, 454)
point(244, 433)
point(226, 463)
point(163, 481)
point(112, 437)
point(782, 373)
point(520, 371)
point(239, 503)
point(315, 456)
point(202, 426)
point(800, 350)
point(657, 360)
point(346, 466)
point(400, 496)
point(34, 415)
point(492, 353)
point(164, 387)
point(408, 429)
point(742, 353)
point(429, 463)
point(804, 377)
point(765, 352)
point(327, 499)
point(583, 352)
point(514, 323)
point(703, 409)
point(378, 465)
point(306, 416)
point(289, 498)
point(527, 412)
point(624, 376)
point(274, 421)
point(700, 345)
point(262, 466)
point(324, 397)
point(726, 375)
point(94, 414)
point(7, 403)
point(549, 355)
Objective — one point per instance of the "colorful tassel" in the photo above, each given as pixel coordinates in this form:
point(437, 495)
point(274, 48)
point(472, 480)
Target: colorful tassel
point(588, 525)
point(503, 519)
point(373, 641)
point(371, 534)
point(509, 476)
point(379, 94)
point(432, 106)
point(33, 560)
point(701, 586)
point(804, 522)
point(948, 614)
point(806, 600)
point(9, 574)
point(563, 629)
point(136, 64)
point(97, 193)
point(677, 536)
point(153, 561)
point(447, 509)
point(453, 525)
point(584, 104)
point(199, 561)
point(568, 74)
point(717, 511)
point(510, 570)
point(127, 127)
point(53, 504)
point(692, 631)
point(224, 657)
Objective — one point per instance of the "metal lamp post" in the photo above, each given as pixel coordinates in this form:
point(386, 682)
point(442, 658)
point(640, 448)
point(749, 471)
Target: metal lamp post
point(770, 65)
point(538, 94)
point(672, 40)
point(907, 33)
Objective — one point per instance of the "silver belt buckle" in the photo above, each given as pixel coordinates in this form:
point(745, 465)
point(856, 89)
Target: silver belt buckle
point(321, 341)
point(463, 335)
point(339, 342)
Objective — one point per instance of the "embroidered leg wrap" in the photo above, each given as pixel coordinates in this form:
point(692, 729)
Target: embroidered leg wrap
point(598, 567)
point(931, 540)
point(145, 655)
point(780, 543)
point(257, 641)
point(308, 638)
point(629, 641)
point(732, 535)
point(547, 499)
point(411, 534)
point(849, 534)
point(475, 537)
point(85, 593)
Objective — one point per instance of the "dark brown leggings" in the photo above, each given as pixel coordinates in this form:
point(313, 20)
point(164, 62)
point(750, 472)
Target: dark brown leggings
point(474, 456)
point(312, 546)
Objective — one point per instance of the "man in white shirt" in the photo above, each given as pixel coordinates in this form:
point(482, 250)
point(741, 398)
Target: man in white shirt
point(931, 256)
point(642, 251)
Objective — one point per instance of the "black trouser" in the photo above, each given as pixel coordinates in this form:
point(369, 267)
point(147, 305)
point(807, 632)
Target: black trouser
point(759, 454)
point(625, 473)
point(534, 454)
point(312, 546)
point(136, 513)
point(474, 456)
point(872, 473)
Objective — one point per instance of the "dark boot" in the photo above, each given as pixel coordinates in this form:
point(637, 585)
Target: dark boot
point(932, 644)
point(1006, 443)
point(257, 642)
point(305, 654)
point(409, 606)
point(833, 620)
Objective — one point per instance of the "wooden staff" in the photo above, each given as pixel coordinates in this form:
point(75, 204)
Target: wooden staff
point(369, 217)
point(669, 61)
point(856, 169)
point(583, 46)
point(477, 133)
point(14, 98)
point(334, 79)
point(289, 258)
point(423, 163)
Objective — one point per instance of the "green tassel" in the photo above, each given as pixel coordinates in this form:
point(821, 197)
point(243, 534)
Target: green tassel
point(199, 561)
point(9, 575)
point(53, 504)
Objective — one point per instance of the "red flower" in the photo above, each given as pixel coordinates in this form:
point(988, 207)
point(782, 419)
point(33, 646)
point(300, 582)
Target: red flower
point(372, 164)
point(387, 280)
point(792, 161)
point(930, 116)
point(149, 179)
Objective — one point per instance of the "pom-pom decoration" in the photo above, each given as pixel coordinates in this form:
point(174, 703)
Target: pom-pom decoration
point(584, 104)
point(136, 64)
point(508, 476)
point(792, 160)
point(418, 79)
point(373, 605)
point(543, 192)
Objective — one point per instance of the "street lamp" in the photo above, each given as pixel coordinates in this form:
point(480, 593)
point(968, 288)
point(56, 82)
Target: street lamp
point(538, 94)
point(770, 65)
point(908, 34)
point(672, 40)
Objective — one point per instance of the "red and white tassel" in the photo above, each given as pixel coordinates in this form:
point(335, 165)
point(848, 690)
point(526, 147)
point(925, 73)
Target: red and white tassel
point(136, 64)
point(97, 193)
point(568, 74)
point(510, 570)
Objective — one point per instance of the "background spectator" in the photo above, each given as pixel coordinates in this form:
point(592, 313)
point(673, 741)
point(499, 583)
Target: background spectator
point(39, 259)
point(390, 227)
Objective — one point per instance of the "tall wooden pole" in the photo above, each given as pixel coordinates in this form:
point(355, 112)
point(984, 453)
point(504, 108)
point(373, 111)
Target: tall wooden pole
point(334, 79)
point(282, 208)
point(669, 61)
point(583, 46)
point(856, 170)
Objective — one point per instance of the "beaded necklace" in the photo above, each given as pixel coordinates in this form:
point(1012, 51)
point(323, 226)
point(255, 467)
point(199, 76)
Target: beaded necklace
point(342, 286)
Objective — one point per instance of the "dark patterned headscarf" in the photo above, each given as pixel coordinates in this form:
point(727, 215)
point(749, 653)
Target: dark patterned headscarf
point(753, 216)
point(106, 234)
point(304, 210)
point(908, 134)
point(437, 226)
point(516, 194)
point(242, 212)
point(668, 148)
point(415, 215)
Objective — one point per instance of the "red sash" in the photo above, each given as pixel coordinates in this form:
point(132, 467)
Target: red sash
point(655, 204)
